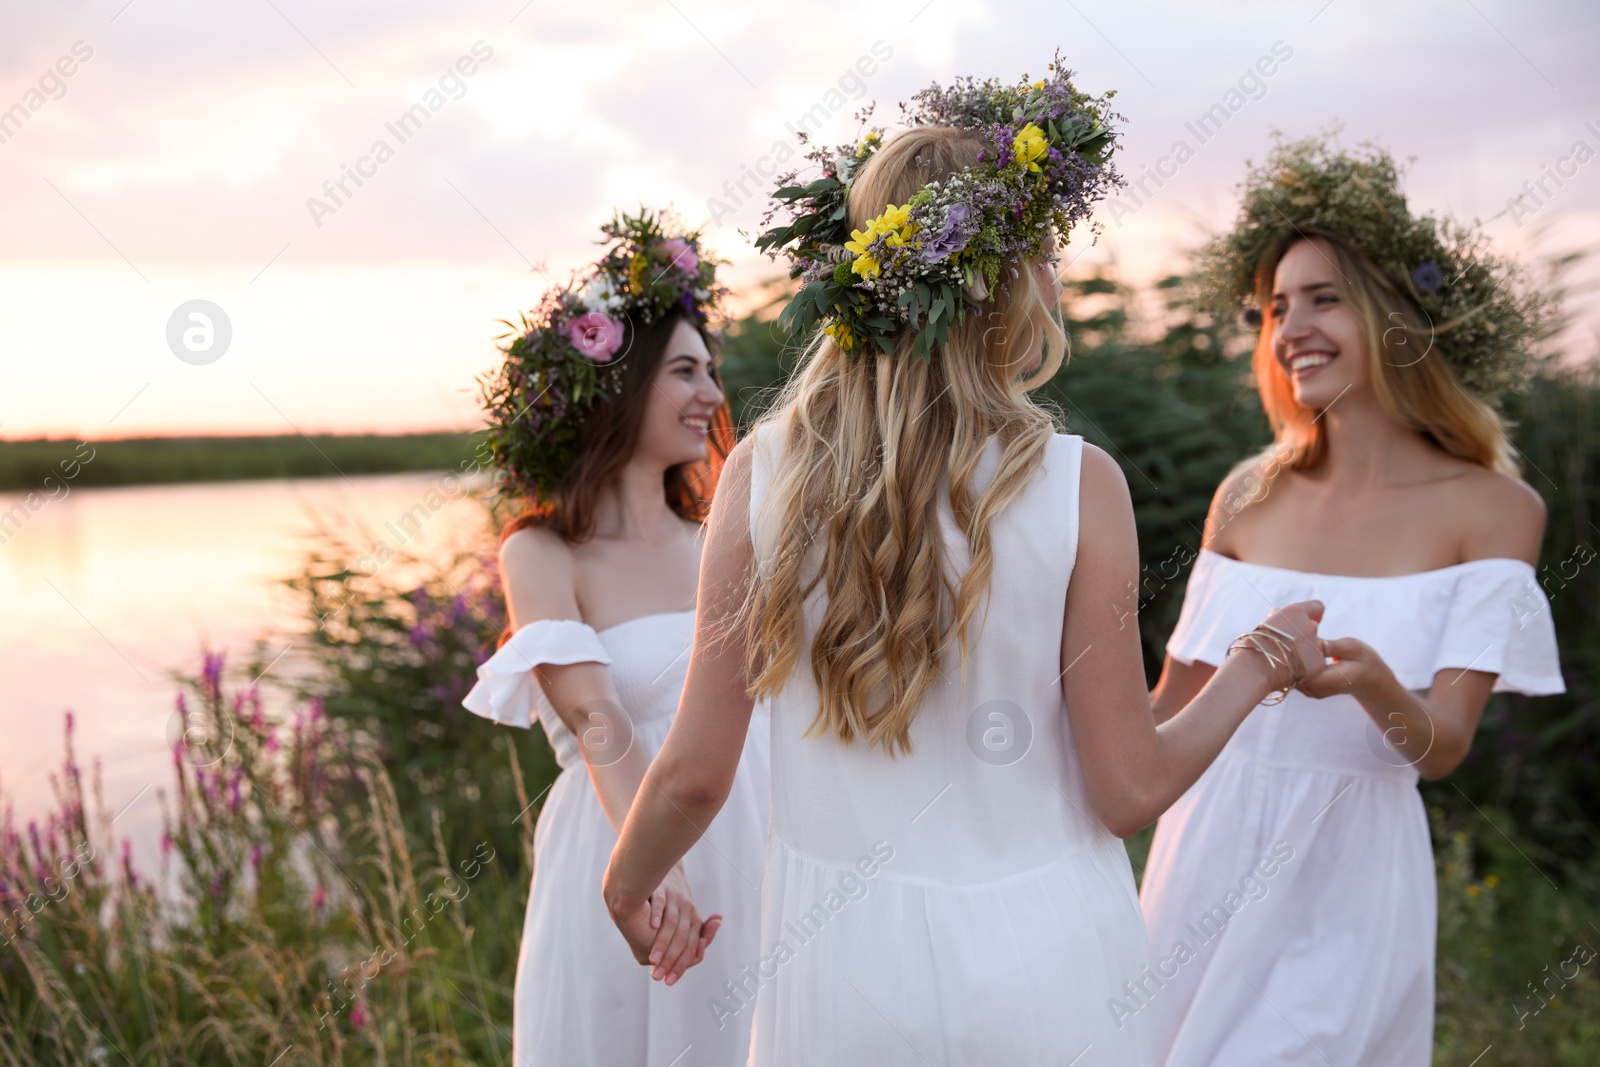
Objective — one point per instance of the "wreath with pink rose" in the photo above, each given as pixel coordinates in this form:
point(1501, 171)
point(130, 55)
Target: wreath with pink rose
point(567, 353)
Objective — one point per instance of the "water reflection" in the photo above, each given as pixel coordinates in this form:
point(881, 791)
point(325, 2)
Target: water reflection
point(107, 591)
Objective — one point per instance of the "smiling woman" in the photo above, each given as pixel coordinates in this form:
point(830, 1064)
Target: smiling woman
point(1391, 496)
point(609, 417)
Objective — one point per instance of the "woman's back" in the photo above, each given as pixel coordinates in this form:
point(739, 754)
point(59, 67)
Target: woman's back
point(966, 891)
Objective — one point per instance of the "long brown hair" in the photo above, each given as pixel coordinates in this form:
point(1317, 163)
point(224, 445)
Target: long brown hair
point(609, 433)
point(872, 441)
point(1412, 380)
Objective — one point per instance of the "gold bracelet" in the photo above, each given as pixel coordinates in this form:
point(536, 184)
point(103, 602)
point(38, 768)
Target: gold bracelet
point(1285, 647)
point(1256, 640)
point(1288, 643)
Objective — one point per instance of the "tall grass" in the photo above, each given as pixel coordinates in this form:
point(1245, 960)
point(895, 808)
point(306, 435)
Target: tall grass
point(296, 919)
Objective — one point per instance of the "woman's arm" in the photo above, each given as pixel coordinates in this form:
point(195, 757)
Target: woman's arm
point(1434, 733)
point(536, 569)
point(1133, 768)
point(1179, 683)
point(693, 773)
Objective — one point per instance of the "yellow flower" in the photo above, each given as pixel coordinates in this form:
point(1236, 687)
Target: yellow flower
point(894, 225)
point(1030, 144)
point(1491, 880)
point(1473, 890)
point(870, 141)
point(636, 276)
point(1039, 84)
point(860, 239)
point(896, 222)
point(841, 335)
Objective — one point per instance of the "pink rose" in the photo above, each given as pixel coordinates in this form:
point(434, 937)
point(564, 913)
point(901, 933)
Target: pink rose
point(681, 255)
point(595, 335)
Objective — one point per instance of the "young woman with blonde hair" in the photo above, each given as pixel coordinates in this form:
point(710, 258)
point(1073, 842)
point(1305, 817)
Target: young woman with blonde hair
point(922, 575)
point(1290, 893)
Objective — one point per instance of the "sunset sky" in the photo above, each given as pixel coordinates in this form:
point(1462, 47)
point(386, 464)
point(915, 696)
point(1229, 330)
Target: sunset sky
point(156, 152)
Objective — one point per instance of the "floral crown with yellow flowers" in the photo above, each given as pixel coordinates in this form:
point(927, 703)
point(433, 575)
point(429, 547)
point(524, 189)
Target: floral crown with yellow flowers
point(1481, 316)
point(566, 355)
point(924, 263)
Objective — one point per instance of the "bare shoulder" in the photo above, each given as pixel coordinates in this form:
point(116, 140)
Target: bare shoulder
point(1503, 516)
point(1241, 488)
point(1101, 480)
point(739, 459)
point(535, 551)
point(1105, 509)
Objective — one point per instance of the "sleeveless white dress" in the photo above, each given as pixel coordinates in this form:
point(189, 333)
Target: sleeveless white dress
point(580, 997)
point(960, 905)
point(1290, 892)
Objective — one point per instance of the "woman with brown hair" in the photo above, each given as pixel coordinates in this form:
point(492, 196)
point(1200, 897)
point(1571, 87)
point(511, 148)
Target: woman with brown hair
point(918, 572)
point(608, 417)
point(1290, 893)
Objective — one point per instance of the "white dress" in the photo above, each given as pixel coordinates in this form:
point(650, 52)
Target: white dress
point(1290, 892)
point(961, 905)
point(580, 997)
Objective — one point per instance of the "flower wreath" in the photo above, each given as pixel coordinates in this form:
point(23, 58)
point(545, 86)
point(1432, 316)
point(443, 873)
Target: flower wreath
point(924, 263)
point(1482, 318)
point(566, 354)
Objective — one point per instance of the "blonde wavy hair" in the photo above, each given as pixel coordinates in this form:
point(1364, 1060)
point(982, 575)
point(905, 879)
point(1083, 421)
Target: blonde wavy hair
point(1413, 383)
point(871, 444)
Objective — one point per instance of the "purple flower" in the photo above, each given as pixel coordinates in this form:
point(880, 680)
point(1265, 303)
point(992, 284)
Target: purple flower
point(1428, 276)
point(951, 240)
point(211, 671)
point(595, 335)
point(255, 857)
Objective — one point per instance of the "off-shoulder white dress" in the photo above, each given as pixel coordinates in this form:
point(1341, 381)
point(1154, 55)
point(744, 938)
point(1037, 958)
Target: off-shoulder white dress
point(960, 906)
point(580, 997)
point(1290, 893)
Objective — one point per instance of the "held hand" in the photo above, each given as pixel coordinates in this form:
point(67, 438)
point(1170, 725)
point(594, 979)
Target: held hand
point(664, 930)
point(1356, 669)
point(1299, 621)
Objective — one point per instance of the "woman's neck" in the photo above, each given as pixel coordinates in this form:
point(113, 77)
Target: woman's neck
point(1368, 449)
point(634, 507)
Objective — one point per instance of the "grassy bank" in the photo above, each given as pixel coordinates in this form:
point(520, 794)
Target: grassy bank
point(25, 465)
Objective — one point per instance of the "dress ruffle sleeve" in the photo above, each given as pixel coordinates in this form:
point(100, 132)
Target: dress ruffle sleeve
point(1499, 621)
point(505, 691)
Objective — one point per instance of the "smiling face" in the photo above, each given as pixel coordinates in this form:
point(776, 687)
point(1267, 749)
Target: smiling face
point(684, 394)
point(1319, 341)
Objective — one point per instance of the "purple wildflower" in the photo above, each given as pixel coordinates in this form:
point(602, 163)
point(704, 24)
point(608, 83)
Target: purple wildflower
point(951, 240)
point(1428, 276)
point(211, 671)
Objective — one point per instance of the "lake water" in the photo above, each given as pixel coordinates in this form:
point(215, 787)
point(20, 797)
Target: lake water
point(108, 591)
